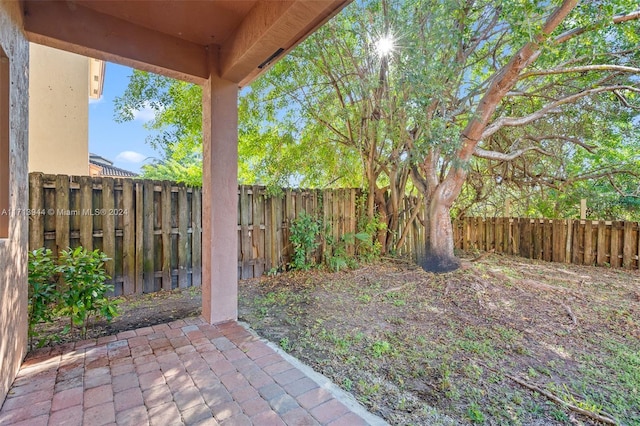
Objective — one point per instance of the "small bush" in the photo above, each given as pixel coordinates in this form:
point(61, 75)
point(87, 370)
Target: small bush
point(42, 292)
point(81, 296)
point(84, 294)
point(304, 238)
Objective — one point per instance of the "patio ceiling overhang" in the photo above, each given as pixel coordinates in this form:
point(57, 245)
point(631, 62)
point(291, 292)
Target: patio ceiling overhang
point(173, 37)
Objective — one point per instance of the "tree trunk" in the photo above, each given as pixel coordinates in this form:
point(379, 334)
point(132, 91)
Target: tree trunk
point(438, 255)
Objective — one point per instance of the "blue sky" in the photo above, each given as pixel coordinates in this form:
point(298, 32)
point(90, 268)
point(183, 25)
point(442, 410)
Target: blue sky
point(122, 143)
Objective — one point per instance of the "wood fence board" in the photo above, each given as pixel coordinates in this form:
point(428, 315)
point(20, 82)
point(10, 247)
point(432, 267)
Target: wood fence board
point(335, 216)
point(498, 232)
point(86, 206)
point(108, 225)
point(473, 234)
point(50, 217)
point(61, 206)
point(184, 221)
point(568, 234)
point(139, 238)
point(148, 237)
point(588, 243)
point(245, 240)
point(165, 211)
point(614, 258)
point(514, 241)
point(536, 236)
point(258, 233)
point(353, 220)
point(601, 255)
point(577, 243)
point(128, 238)
point(36, 203)
point(279, 240)
point(196, 242)
point(628, 246)
point(506, 233)
point(269, 254)
point(327, 206)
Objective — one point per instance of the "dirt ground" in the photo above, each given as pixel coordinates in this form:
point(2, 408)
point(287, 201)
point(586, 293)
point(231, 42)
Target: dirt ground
point(503, 340)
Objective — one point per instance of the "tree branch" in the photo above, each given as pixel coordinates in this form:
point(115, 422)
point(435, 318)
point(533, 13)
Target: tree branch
point(584, 68)
point(520, 121)
point(499, 156)
point(590, 148)
point(618, 19)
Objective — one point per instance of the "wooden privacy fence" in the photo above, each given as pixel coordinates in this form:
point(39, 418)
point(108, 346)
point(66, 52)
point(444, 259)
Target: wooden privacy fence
point(263, 230)
point(152, 230)
point(582, 242)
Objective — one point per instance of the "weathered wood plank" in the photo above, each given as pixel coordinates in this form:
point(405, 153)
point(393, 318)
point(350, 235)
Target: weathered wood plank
point(61, 215)
point(128, 238)
point(536, 232)
point(614, 259)
point(86, 217)
point(36, 204)
point(499, 237)
point(166, 235)
point(108, 225)
point(139, 238)
point(628, 246)
point(269, 235)
point(257, 233)
point(245, 238)
point(568, 234)
point(588, 243)
point(148, 237)
point(184, 220)
point(601, 255)
point(577, 245)
point(196, 235)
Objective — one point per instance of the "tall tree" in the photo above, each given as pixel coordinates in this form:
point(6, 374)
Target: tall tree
point(500, 81)
point(423, 94)
point(516, 66)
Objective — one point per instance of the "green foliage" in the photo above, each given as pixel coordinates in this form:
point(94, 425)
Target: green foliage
point(84, 292)
point(187, 171)
point(474, 412)
point(304, 233)
point(380, 348)
point(42, 292)
point(567, 121)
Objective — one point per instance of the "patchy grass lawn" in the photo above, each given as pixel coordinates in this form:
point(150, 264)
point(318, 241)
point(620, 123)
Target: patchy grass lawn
point(464, 347)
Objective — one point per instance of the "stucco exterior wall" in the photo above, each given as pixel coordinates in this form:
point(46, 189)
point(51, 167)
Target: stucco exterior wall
point(13, 250)
point(58, 111)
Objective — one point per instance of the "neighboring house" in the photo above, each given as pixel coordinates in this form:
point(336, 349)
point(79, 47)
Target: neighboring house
point(100, 166)
point(60, 85)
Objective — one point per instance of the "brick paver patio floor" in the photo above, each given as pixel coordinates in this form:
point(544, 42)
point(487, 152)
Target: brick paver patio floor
point(185, 372)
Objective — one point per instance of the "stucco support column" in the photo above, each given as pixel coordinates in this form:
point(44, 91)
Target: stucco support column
point(219, 197)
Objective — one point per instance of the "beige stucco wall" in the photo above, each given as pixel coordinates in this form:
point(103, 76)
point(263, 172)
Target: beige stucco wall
point(58, 111)
point(13, 250)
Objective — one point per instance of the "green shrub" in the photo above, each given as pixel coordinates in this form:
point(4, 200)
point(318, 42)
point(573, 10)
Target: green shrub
point(42, 292)
point(303, 236)
point(84, 292)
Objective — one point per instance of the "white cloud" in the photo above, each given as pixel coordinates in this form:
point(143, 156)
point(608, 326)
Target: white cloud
point(145, 114)
point(131, 157)
point(96, 101)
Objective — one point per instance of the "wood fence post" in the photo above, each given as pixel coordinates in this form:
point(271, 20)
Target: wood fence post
point(128, 238)
point(165, 228)
point(36, 203)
